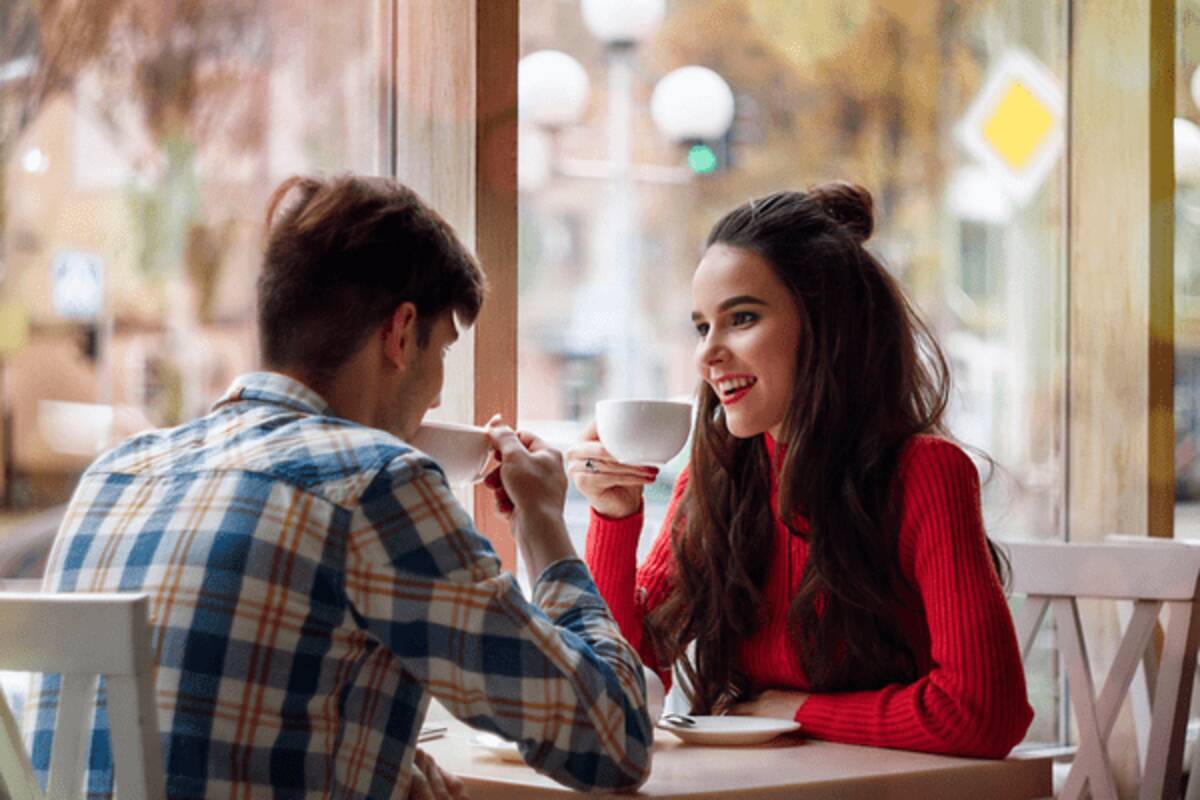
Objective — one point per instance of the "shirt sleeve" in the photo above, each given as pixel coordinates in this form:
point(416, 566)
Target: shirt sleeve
point(973, 701)
point(554, 675)
point(632, 592)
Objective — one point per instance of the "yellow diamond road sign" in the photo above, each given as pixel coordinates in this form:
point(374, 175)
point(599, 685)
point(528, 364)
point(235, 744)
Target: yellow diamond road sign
point(1014, 126)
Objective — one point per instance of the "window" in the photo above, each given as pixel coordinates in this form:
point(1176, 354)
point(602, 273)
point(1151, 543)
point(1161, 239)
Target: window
point(138, 146)
point(985, 264)
point(1187, 272)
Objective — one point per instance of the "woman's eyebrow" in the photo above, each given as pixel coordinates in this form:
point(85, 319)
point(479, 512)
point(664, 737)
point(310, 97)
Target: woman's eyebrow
point(738, 300)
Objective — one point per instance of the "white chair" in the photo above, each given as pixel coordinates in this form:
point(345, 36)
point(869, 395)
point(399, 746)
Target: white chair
point(20, 585)
point(83, 636)
point(1053, 576)
point(1143, 682)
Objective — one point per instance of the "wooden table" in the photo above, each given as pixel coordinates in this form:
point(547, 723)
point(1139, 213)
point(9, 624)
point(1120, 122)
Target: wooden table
point(790, 767)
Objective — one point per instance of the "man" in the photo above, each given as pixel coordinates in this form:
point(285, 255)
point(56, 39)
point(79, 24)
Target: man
point(313, 580)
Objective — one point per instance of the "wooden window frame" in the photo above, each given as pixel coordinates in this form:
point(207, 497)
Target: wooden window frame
point(453, 110)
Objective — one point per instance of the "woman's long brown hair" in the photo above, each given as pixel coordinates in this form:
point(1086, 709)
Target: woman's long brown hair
point(869, 377)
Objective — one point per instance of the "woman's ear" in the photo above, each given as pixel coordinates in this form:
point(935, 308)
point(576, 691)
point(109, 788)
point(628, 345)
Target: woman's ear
point(400, 337)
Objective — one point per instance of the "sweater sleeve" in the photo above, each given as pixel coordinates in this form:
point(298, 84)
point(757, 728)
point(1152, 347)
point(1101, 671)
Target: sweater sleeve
point(632, 592)
point(973, 701)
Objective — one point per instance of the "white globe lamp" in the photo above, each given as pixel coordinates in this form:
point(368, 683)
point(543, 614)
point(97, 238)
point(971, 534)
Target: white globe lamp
point(1187, 152)
point(692, 103)
point(552, 89)
point(534, 150)
point(620, 23)
point(1194, 85)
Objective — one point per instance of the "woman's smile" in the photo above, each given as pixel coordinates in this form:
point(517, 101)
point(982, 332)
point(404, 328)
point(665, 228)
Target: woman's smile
point(731, 388)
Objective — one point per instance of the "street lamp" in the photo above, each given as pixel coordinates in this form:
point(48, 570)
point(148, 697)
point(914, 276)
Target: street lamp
point(554, 89)
point(693, 105)
point(690, 105)
point(1187, 141)
point(1187, 152)
point(622, 23)
point(553, 94)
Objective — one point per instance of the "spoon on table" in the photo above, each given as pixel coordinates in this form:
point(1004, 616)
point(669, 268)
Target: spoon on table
point(682, 720)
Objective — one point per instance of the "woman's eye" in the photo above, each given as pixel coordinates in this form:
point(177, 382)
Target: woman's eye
point(744, 317)
point(701, 329)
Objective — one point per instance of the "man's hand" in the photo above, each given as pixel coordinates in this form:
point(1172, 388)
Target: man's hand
point(773, 703)
point(431, 782)
point(530, 472)
point(531, 489)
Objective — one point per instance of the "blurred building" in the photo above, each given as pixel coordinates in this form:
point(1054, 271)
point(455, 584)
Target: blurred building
point(145, 139)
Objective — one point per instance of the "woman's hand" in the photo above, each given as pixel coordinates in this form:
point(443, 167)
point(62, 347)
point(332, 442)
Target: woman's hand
point(431, 782)
point(612, 488)
point(773, 703)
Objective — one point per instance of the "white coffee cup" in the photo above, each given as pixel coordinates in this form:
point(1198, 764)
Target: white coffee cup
point(648, 432)
point(655, 694)
point(462, 451)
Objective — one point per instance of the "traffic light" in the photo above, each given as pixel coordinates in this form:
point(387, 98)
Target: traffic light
point(702, 159)
point(709, 157)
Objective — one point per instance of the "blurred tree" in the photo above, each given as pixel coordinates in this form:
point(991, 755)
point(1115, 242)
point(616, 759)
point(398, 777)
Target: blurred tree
point(44, 44)
point(159, 74)
point(865, 91)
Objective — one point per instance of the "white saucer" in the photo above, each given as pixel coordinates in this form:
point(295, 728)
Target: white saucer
point(730, 730)
point(495, 746)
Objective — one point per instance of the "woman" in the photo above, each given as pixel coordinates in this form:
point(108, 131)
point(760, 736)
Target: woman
point(824, 547)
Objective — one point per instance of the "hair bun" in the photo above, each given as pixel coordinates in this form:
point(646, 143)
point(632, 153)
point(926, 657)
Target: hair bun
point(850, 204)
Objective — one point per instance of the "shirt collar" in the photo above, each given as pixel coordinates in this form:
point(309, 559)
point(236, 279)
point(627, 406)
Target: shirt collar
point(272, 388)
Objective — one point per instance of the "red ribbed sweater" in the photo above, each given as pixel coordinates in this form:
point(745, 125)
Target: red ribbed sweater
point(970, 697)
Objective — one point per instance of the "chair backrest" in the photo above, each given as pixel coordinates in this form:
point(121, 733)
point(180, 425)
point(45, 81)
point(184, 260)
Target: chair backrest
point(1053, 576)
point(81, 637)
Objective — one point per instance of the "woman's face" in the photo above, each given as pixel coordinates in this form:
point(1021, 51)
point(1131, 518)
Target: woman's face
point(748, 331)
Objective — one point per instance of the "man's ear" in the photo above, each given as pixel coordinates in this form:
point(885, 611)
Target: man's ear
point(400, 337)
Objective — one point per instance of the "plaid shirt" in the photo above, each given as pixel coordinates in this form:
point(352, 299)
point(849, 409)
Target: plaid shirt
point(313, 582)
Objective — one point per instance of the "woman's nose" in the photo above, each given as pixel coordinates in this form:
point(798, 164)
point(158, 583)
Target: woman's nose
point(710, 352)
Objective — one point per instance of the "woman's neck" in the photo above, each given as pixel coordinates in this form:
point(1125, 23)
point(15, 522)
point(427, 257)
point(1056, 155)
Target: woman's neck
point(774, 448)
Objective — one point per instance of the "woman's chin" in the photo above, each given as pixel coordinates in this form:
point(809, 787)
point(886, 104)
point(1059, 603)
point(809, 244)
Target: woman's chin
point(741, 430)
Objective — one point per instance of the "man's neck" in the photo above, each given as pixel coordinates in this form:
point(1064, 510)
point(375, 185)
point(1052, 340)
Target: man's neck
point(351, 393)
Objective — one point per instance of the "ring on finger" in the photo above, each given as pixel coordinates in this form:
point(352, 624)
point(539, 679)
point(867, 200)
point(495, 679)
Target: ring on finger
point(590, 465)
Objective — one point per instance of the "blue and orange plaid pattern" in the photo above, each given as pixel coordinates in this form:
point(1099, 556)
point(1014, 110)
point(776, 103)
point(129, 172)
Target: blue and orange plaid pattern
point(313, 584)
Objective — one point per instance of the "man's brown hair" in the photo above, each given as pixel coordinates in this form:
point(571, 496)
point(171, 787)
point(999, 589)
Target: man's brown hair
point(341, 255)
